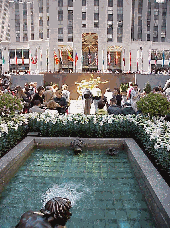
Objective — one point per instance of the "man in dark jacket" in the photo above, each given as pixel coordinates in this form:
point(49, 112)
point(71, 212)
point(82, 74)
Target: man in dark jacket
point(127, 109)
point(61, 102)
point(113, 108)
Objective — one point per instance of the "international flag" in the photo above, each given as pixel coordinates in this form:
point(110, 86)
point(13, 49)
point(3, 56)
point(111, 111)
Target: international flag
point(56, 59)
point(70, 57)
point(163, 58)
point(130, 59)
point(60, 53)
point(156, 58)
point(22, 57)
point(76, 59)
point(109, 58)
point(3, 60)
point(16, 62)
point(96, 59)
point(89, 57)
point(116, 58)
point(137, 58)
point(124, 57)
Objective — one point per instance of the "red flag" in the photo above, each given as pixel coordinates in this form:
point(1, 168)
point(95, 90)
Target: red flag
point(76, 58)
point(16, 61)
point(56, 58)
point(23, 60)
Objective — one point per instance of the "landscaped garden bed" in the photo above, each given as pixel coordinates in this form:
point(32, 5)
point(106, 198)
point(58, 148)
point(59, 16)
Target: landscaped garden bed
point(152, 135)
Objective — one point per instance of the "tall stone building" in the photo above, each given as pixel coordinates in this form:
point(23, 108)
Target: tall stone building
point(46, 35)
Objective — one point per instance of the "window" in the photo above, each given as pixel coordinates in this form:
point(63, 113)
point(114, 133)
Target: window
point(60, 39)
point(47, 33)
point(19, 53)
point(40, 9)
point(110, 3)
point(70, 30)
point(83, 25)
point(96, 2)
point(148, 37)
point(96, 24)
point(32, 36)
point(12, 53)
point(110, 30)
point(96, 16)
point(26, 53)
point(83, 2)
point(83, 15)
point(70, 15)
point(110, 17)
point(119, 10)
point(60, 30)
point(70, 3)
point(70, 39)
point(60, 15)
point(40, 35)
point(60, 3)
point(40, 22)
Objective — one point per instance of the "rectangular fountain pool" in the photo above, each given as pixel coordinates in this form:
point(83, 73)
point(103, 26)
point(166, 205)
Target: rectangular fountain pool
point(103, 189)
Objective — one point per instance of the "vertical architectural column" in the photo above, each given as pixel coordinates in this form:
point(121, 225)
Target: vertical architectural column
point(12, 21)
point(102, 38)
point(152, 20)
point(77, 35)
point(127, 15)
point(168, 22)
point(29, 20)
point(65, 20)
point(115, 21)
point(21, 20)
point(134, 59)
point(136, 20)
point(53, 33)
point(160, 22)
point(44, 21)
point(144, 20)
point(90, 14)
point(36, 19)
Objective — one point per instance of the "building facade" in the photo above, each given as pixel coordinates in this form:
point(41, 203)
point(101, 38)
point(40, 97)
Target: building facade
point(85, 35)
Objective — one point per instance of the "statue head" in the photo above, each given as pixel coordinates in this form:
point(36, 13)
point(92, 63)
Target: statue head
point(57, 210)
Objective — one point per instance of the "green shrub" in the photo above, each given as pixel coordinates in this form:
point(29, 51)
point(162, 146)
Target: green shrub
point(9, 104)
point(154, 105)
point(147, 88)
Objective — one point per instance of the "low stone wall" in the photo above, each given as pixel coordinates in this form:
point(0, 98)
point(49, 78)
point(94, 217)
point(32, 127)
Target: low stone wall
point(155, 189)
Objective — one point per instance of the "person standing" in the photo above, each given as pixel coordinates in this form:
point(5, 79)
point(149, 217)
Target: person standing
point(96, 92)
point(87, 96)
point(135, 96)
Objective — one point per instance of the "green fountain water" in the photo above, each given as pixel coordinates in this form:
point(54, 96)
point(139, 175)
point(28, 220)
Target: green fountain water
point(102, 188)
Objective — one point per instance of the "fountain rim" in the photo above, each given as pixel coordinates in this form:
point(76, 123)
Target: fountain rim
point(151, 183)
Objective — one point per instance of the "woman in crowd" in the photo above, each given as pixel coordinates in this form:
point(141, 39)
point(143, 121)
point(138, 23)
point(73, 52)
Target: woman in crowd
point(39, 95)
point(61, 102)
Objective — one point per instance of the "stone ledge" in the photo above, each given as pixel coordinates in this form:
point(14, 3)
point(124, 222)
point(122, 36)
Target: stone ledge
point(155, 189)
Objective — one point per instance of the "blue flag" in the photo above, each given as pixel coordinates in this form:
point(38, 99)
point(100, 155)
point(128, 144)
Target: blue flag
point(3, 60)
point(163, 59)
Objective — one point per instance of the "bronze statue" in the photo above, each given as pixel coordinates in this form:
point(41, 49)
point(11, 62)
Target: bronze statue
point(77, 145)
point(112, 151)
point(55, 214)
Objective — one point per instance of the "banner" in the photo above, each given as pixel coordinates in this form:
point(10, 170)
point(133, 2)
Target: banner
point(56, 58)
point(163, 59)
point(70, 57)
point(76, 59)
point(109, 58)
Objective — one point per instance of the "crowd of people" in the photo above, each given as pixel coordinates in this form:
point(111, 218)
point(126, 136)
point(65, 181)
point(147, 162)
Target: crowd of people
point(114, 102)
point(54, 99)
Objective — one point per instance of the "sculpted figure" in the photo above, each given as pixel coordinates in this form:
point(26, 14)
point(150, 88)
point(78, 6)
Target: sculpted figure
point(55, 214)
point(112, 151)
point(77, 145)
